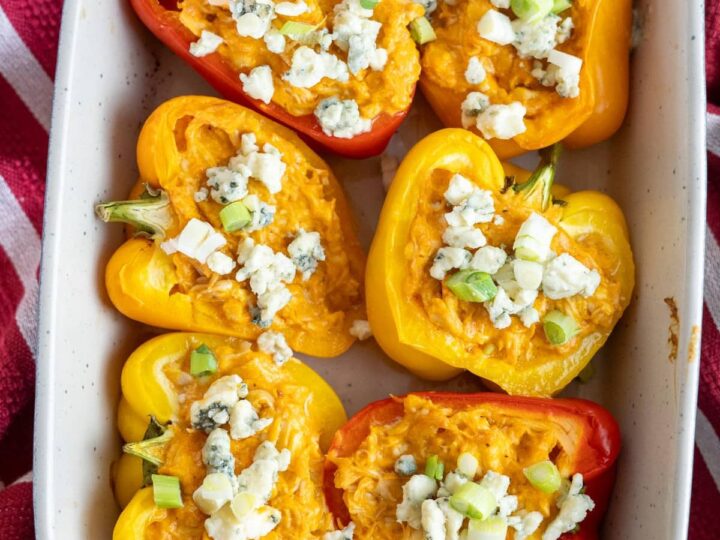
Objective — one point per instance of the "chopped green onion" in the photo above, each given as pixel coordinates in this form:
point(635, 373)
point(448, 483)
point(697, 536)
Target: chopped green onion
point(166, 491)
point(559, 328)
point(295, 28)
point(544, 476)
point(531, 10)
point(151, 450)
point(560, 5)
point(588, 372)
point(492, 528)
point(150, 214)
point(434, 468)
point(422, 31)
point(472, 285)
point(474, 501)
point(202, 361)
point(369, 4)
point(235, 216)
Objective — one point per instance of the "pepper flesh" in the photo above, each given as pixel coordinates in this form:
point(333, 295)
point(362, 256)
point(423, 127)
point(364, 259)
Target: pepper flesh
point(411, 338)
point(603, 43)
point(588, 428)
point(162, 19)
point(147, 391)
point(148, 285)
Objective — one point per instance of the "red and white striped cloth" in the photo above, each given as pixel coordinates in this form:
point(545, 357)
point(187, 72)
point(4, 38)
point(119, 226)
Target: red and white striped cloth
point(28, 50)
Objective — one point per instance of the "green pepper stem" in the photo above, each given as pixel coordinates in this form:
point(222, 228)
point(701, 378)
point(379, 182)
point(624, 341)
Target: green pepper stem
point(150, 450)
point(543, 176)
point(150, 214)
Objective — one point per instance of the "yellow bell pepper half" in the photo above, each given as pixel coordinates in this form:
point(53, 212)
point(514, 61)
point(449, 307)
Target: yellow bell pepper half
point(179, 142)
point(156, 385)
point(422, 325)
point(600, 37)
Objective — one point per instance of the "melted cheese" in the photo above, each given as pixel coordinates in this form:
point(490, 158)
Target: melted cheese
point(298, 494)
point(388, 91)
point(469, 321)
point(500, 441)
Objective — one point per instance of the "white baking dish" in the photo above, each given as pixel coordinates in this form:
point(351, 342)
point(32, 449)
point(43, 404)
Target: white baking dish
point(112, 73)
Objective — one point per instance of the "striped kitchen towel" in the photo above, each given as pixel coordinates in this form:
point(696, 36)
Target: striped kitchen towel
point(28, 50)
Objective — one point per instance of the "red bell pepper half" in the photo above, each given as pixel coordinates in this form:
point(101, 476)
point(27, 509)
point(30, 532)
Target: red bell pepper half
point(598, 447)
point(163, 20)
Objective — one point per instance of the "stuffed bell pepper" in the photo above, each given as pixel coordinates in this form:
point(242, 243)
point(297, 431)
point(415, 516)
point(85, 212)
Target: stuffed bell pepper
point(526, 74)
point(510, 277)
point(443, 466)
point(341, 73)
point(222, 442)
point(243, 228)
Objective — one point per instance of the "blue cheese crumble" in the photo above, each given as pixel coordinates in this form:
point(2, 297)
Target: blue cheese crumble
point(198, 240)
point(502, 121)
point(306, 251)
point(258, 84)
point(207, 44)
point(449, 258)
point(574, 507)
point(217, 455)
point(341, 118)
point(245, 421)
point(405, 465)
point(227, 185)
point(475, 72)
point(274, 41)
point(220, 263)
point(565, 276)
point(213, 410)
point(274, 344)
point(355, 33)
point(267, 272)
point(474, 104)
point(267, 166)
point(252, 17)
point(415, 491)
point(309, 67)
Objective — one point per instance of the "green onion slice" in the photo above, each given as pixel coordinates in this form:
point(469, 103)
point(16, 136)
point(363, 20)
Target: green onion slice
point(472, 285)
point(559, 328)
point(202, 361)
point(474, 501)
point(235, 216)
point(434, 468)
point(369, 4)
point(422, 31)
point(544, 476)
point(531, 10)
point(295, 28)
point(492, 528)
point(166, 491)
point(560, 5)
